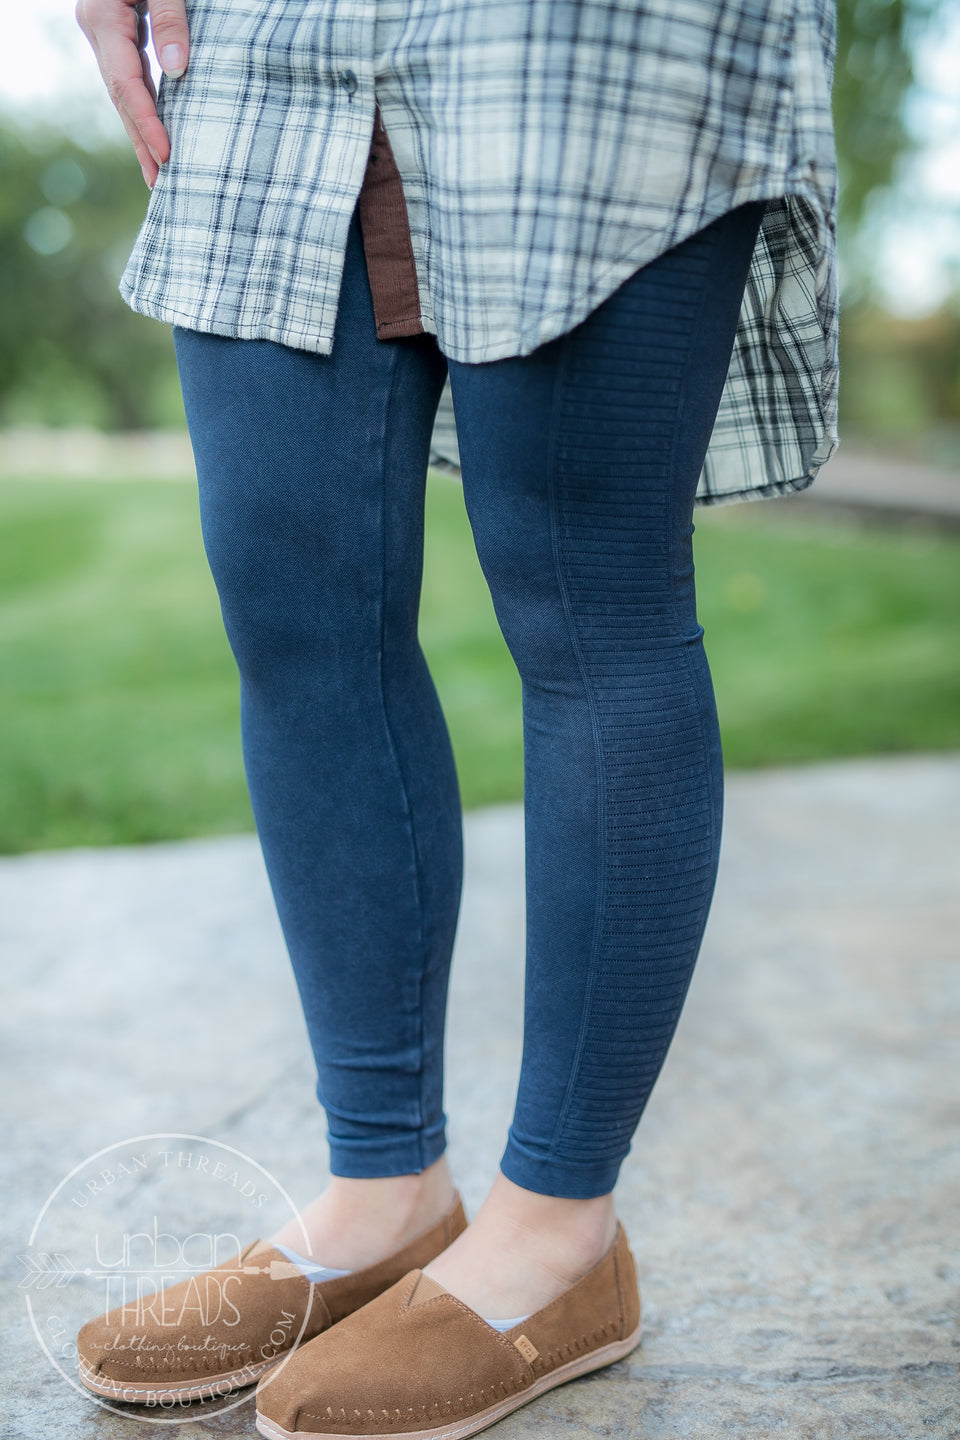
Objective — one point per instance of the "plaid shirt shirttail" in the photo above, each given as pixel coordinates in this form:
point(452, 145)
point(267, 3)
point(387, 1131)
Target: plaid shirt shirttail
point(543, 151)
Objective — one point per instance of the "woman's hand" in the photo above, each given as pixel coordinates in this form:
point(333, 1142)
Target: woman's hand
point(117, 30)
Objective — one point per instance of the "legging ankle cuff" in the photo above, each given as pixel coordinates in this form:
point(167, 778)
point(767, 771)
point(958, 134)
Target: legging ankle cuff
point(381, 1156)
point(566, 1179)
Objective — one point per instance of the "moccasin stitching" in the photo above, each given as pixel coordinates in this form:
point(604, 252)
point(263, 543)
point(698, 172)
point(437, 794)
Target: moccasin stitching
point(572, 1349)
point(544, 1363)
point(234, 1358)
point(434, 1410)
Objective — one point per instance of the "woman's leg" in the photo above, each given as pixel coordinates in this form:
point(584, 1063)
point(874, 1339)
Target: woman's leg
point(312, 472)
point(580, 465)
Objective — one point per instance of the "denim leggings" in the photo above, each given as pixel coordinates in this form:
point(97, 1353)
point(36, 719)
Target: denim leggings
point(580, 463)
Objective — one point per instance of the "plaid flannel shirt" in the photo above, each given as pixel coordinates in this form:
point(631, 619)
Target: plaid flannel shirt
point(547, 149)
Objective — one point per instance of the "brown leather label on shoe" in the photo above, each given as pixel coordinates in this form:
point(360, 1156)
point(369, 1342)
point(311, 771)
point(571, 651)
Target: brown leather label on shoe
point(527, 1349)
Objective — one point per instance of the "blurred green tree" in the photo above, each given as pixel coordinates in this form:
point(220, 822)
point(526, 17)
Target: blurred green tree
point(873, 75)
point(900, 376)
point(70, 350)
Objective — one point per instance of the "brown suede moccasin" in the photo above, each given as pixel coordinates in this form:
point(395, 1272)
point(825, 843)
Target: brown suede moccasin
point(418, 1363)
point(222, 1329)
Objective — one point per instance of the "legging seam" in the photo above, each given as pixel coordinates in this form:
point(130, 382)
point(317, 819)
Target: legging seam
point(408, 808)
point(602, 864)
point(710, 778)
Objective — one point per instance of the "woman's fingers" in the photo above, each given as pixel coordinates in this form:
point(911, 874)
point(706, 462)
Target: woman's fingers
point(114, 29)
point(148, 163)
point(171, 36)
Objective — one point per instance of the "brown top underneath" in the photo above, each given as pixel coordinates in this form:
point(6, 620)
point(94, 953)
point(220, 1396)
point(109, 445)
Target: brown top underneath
point(386, 242)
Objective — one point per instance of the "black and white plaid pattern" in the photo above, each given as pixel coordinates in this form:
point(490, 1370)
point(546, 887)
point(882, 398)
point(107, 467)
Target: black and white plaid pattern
point(547, 148)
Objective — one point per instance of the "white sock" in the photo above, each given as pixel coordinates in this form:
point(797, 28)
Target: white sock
point(503, 1325)
point(310, 1268)
point(316, 1273)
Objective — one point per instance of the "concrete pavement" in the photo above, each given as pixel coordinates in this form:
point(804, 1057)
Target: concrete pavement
point(793, 1196)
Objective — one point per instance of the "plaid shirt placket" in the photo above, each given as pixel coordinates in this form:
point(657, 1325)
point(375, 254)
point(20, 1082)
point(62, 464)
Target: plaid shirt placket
point(539, 151)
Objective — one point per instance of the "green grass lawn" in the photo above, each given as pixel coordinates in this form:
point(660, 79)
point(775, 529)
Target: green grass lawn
point(118, 718)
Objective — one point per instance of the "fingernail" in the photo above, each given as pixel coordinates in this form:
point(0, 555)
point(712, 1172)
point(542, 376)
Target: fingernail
point(154, 154)
point(173, 61)
point(146, 178)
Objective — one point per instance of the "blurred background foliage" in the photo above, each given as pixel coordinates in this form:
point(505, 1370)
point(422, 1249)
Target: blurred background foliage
point(900, 378)
point(873, 74)
point(71, 353)
point(118, 693)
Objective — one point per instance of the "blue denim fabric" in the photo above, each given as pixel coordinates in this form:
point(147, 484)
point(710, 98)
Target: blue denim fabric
point(580, 464)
